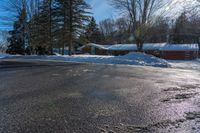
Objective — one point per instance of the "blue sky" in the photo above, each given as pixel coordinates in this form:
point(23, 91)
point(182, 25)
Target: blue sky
point(101, 9)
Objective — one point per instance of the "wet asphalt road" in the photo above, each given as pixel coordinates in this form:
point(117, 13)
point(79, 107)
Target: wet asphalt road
point(50, 97)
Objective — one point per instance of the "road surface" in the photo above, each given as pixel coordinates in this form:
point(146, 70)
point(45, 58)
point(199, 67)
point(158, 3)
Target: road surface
point(63, 97)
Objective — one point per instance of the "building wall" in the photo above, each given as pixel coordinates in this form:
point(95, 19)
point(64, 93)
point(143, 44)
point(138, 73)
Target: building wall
point(101, 51)
point(117, 52)
point(86, 50)
point(179, 55)
point(94, 51)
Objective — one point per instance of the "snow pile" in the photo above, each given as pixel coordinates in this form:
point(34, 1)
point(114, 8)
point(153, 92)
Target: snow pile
point(144, 60)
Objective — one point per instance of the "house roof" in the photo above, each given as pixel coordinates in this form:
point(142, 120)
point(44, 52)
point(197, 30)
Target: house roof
point(96, 46)
point(123, 47)
point(153, 46)
point(180, 47)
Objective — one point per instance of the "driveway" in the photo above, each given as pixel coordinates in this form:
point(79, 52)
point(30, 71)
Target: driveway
point(63, 97)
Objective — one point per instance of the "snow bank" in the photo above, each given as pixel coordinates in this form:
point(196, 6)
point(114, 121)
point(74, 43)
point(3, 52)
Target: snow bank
point(129, 59)
point(133, 58)
point(144, 60)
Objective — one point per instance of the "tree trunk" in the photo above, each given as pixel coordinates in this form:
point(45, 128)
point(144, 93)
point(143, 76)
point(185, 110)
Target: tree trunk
point(63, 50)
point(63, 31)
point(71, 29)
point(50, 26)
point(139, 43)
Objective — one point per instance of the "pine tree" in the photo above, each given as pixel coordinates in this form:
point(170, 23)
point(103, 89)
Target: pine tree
point(92, 32)
point(18, 34)
point(180, 29)
point(41, 28)
point(75, 15)
point(45, 26)
point(16, 40)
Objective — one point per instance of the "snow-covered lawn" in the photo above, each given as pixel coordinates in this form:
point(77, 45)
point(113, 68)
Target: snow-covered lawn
point(129, 59)
point(2, 55)
point(190, 65)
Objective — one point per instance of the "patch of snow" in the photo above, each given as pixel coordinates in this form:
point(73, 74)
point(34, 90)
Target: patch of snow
point(180, 47)
point(2, 55)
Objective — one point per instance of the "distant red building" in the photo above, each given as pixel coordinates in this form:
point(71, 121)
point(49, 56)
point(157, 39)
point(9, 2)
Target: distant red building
point(180, 51)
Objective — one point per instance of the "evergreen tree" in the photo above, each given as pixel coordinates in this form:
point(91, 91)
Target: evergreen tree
point(40, 26)
point(44, 27)
point(180, 29)
point(92, 32)
point(16, 40)
point(18, 34)
point(75, 15)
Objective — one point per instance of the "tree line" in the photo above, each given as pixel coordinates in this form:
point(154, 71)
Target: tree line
point(184, 29)
point(40, 26)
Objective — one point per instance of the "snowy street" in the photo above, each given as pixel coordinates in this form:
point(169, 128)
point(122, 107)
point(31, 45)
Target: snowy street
point(47, 96)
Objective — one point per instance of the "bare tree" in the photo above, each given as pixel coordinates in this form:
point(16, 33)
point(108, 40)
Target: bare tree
point(141, 14)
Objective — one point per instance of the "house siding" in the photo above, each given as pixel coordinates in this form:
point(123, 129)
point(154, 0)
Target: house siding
point(179, 55)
